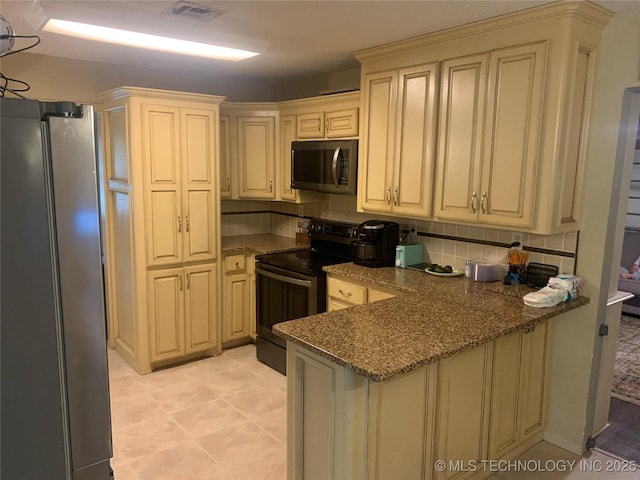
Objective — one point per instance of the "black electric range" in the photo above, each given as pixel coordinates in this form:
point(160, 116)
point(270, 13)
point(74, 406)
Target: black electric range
point(292, 285)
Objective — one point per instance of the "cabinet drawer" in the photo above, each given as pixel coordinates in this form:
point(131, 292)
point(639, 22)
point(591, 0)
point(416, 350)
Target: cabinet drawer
point(346, 292)
point(235, 263)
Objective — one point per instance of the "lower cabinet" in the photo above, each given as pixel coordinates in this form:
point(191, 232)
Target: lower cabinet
point(344, 293)
point(182, 310)
point(238, 322)
point(487, 403)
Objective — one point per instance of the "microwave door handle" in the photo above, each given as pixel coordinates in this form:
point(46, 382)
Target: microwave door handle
point(334, 167)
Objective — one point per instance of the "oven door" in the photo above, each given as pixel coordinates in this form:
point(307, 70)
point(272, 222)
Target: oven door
point(282, 295)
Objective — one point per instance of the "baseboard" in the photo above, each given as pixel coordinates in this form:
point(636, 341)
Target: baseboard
point(563, 443)
point(624, 398)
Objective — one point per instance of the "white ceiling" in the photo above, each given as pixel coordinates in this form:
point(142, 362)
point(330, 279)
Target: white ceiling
point(295, 38)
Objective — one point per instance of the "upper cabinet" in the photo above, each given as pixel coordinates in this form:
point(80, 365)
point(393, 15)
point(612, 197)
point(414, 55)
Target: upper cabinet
point(489, 137)
point(225, 156)
point(397, 150)
point(180, 195)
point(511, 112)
point(330, 124)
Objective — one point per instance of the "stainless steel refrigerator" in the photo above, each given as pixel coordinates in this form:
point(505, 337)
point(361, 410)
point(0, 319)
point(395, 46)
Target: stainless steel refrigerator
point(54, 397)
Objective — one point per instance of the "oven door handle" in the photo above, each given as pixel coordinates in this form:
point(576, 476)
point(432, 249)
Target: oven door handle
point(282, 278)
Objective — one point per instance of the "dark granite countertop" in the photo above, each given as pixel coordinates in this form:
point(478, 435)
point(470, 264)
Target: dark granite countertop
point(260, 243)
point(431, 318)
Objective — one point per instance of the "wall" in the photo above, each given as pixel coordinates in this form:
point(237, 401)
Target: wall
point(56, 78)
point(311, 86)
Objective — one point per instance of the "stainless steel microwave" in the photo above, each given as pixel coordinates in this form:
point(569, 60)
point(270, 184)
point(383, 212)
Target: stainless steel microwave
point(328, 166)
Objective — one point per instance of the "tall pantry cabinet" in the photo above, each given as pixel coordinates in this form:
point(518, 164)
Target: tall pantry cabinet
point(161, 207)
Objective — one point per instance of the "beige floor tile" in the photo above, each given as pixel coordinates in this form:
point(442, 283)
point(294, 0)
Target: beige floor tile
point(184, 394)
point(244, 354)
point(267, 374)
point(208, 418)
point(149, 436)
point(275, 424)
point(237, 445)
point(219, 363)
point(270, 399)
point(229, 382)
point(123, 471)
point(188, 461)
point(272, 466)
point(118, 367)
point(133, 408)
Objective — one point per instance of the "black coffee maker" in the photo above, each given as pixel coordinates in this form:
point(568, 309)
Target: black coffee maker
point(375, 243)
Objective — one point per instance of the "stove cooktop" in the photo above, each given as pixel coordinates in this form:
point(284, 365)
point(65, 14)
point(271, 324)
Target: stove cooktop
point(301, 261)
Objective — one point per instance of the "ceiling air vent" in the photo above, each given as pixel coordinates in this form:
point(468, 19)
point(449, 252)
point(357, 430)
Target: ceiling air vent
point(194, 11)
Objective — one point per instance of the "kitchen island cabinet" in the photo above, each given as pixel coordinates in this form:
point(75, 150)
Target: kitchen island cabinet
point(449, 369)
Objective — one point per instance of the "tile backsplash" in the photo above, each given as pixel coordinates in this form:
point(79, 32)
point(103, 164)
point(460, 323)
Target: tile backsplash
point(445, 244)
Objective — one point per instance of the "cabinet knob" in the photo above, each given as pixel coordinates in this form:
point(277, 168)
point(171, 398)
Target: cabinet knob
point(270, 185)
point(387, 196)
point(484, 202)
point(346, 294)
point(237, 264)
point(474, 202)
point(179, 224)
point(186, 219)
point(396, 200)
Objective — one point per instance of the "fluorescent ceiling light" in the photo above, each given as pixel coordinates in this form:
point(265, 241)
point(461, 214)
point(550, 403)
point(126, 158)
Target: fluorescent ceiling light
point(144, 40)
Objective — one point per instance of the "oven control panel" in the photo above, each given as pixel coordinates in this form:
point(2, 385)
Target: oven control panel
point(331, 230)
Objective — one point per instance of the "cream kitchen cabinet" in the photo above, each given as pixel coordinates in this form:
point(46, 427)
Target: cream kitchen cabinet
point(238, 301)
point(182, 305)
point(330, 124)
point(514, 107)
point(159, 161)
point(180, 195)
point(397, 151)
point(316, 118)
point(489, 131)
point(344, 293)
point(518, 408)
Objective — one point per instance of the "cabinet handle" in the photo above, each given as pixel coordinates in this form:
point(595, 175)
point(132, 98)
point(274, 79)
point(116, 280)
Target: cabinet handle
point(474, 202)
point(180, 280)
point(237, 265)
point(529, 329)
point(343, 293)
point(186, 219)
point(319, 125)
point(228, 185)
point(179, 224)
point(270, 185)
point(326, 126)
point(387, 196)
point(396, 201)
point(483, 202)
point(188, 281)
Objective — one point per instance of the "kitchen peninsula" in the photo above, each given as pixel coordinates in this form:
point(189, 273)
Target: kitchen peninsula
point(448, 369)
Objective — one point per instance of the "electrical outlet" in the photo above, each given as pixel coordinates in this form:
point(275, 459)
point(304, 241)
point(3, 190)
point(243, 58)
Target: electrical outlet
point(517, 237)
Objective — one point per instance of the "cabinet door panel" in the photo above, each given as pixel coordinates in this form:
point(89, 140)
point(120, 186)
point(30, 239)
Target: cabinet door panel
point(199, 226)
point(166, 304)
point(198, 154)
point(461, 409)
point(311, 125)
point(342, 123)
point(505, 394)
point(415, 148)
point(164, 236)
point(460, 137)
point(225, 156)
point(534, 361)
point(161, 144)
point(237, 302)
point(512, 134)
point(200, 307)
point(256, 156)
point(376, 156)
point(287, 135)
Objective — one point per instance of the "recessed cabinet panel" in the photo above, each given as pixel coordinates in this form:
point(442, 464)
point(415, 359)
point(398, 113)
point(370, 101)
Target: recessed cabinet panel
point(161, 128)
point(415, 144)
point(117, 165)
point(378, 146)
point(165, 232)
point(311, 125)
point(460, 138)
point(197, 146)
point(198, 226)
point(121, 302)
point(256, 156)
point(342, 123)
point(165, 313)
point(512, 132)
point(534, 365)
point(200, 307)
